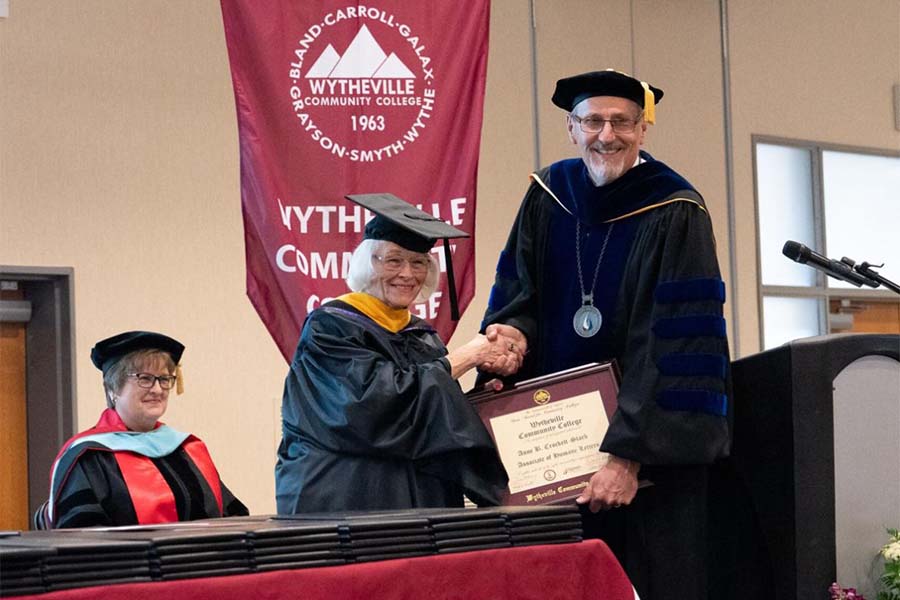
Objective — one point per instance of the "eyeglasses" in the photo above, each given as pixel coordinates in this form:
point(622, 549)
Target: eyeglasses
point(394, 264)
point(593, 124)
point(146, 380)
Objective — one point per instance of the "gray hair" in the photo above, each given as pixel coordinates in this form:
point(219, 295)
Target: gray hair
point(361, 274)
point(114, 377)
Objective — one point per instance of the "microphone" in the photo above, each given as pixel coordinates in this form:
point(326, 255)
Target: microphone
point(797, 252)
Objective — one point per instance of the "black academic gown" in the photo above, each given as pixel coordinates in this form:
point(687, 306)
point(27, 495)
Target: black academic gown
point(373, 420)
point(659, 290)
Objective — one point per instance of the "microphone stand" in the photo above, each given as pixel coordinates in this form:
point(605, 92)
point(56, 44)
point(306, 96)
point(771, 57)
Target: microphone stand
point(865, 269)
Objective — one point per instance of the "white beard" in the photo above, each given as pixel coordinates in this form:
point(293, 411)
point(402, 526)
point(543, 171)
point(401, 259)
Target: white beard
point(601, 174)
point(606, 171)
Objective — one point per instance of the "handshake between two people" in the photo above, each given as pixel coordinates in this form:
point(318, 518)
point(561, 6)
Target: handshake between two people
point(500, 350)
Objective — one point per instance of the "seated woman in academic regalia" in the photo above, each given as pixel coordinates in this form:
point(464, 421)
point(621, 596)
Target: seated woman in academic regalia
point(373, 417)
point(130, 468)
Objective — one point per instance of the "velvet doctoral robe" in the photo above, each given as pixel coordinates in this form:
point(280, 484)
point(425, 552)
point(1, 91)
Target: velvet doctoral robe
point(110, 476)
point(657, 287)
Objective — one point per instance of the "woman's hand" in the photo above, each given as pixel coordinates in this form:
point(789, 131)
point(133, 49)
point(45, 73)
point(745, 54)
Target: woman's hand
point(515, 344)
point(496, 352)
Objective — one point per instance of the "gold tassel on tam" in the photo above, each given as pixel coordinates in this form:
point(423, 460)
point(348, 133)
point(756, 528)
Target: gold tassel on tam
point(649, 104)
point(179, 380)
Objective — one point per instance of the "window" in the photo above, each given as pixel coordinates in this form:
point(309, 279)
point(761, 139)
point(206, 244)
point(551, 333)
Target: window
point(839, 203)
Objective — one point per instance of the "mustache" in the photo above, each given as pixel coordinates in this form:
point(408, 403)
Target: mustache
point(606, 147)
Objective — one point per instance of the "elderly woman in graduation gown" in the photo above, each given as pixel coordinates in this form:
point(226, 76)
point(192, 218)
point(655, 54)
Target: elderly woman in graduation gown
point(130, 468)
point(373, 417)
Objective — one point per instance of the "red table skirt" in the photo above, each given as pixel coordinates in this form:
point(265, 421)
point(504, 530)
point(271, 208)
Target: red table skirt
point(583, 570)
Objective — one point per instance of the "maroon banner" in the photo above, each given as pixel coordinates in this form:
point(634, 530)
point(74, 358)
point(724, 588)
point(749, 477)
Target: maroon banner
point(336, 98)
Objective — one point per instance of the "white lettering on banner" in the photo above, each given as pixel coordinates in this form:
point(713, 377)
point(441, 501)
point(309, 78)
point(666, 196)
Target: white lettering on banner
point(424, 310)
point(334, 265)
point(354, 220)
point(364, 87)
point(314, 301)
point(359, 12)
point(348, 218)
point(457, 210)
point(315, 265)
point(439, 254)
point(361, 101)
point(373, 155)
point(429, 309)
point(291, 259)
point(371, 72)
point(425, 113)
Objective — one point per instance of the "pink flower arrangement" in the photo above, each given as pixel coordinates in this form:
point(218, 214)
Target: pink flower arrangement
point(839, 593)
point(889, 580)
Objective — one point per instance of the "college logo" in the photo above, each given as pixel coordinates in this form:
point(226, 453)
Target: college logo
point(366, 102)
point(541, 397)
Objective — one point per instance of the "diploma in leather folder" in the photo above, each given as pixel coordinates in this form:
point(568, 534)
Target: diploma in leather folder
point(548, 431)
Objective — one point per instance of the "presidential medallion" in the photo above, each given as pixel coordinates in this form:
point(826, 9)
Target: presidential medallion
point(587, 321)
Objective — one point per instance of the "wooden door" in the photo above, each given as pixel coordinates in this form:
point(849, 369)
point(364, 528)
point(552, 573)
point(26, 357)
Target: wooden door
point(13, 424)
point(866, 316)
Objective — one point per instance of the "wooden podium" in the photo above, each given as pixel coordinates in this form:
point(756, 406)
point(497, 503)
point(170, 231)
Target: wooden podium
point(814, 476)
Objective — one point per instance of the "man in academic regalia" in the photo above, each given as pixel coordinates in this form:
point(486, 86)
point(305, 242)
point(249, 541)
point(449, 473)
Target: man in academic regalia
point(612, 256)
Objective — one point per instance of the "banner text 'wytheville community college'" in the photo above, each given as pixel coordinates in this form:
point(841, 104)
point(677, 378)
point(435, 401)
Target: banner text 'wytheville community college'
point(337, 98)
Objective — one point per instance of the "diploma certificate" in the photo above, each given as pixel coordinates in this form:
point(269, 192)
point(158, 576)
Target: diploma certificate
point(548, 431)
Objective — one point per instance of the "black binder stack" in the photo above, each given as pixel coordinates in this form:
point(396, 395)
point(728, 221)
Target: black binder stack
point(544, 524)
point(295, 545)
point(368, 540)
point(368, 536)
point(464, 530)
point(192, 552)
point(21, 569)
point(35, 562)
point(72, 560)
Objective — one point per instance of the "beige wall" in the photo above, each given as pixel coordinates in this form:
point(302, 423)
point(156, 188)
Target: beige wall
point(811, 70)
point(118, 157)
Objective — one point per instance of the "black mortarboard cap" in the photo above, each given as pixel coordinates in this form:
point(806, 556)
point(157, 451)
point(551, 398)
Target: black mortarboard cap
point(106, 352)
point(572, 90)
point(400, 222)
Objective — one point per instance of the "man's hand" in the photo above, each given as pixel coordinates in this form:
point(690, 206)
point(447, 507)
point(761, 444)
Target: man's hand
point(614, 485)
point(494, 352)
point(513, 341)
